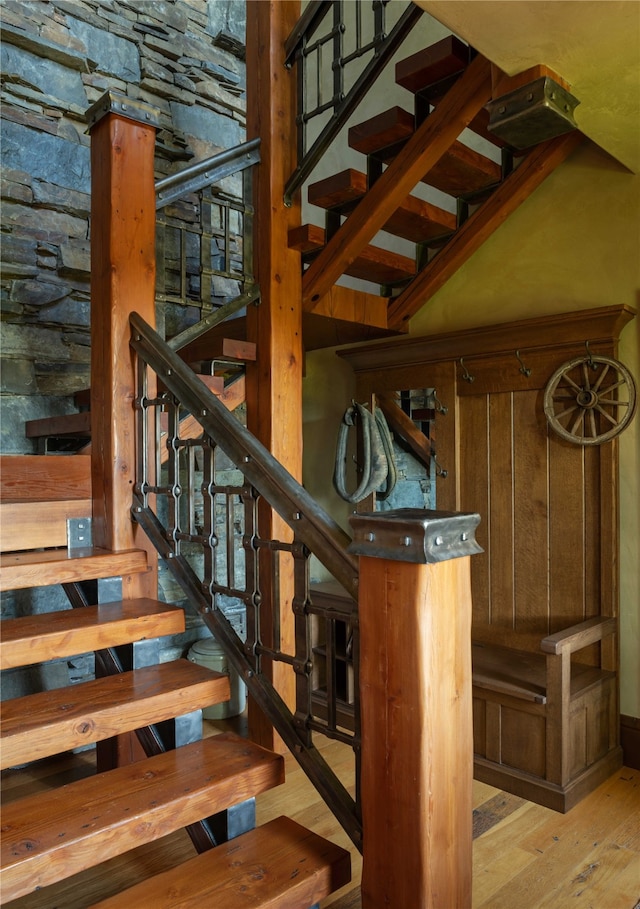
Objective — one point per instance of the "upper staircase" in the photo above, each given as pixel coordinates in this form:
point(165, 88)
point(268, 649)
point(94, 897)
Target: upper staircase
point(49, 836)
point(449, 87)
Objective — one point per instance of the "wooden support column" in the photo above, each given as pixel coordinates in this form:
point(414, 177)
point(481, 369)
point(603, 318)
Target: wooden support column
point(274, 381)
point(415, 696)
point(122, 280)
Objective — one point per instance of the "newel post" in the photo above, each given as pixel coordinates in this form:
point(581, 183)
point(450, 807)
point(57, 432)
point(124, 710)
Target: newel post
point(123, 219)
point(415, 696)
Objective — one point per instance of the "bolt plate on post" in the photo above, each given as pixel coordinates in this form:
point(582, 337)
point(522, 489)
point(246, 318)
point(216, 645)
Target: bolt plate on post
point(115, 103)
point(414, 535)
point(532, 113)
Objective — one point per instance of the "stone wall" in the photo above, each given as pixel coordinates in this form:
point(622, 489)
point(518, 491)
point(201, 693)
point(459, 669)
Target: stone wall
point(186, 58)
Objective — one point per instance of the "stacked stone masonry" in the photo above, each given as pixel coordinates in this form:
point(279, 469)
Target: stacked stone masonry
point(184, 57)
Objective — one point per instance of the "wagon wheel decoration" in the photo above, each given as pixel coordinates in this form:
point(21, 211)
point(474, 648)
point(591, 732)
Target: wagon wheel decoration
point(590, 400)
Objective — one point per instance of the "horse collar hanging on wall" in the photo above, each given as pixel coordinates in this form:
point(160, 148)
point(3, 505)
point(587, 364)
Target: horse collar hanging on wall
point(376, 446)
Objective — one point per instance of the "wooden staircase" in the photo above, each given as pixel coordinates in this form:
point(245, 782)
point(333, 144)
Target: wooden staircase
point(225, 359)
point(52, 835)
point(450, 87)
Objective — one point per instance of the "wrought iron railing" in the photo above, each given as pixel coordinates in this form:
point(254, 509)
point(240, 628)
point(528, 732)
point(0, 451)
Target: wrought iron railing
point(204, 231)
point(201, 509)
point(337, 67)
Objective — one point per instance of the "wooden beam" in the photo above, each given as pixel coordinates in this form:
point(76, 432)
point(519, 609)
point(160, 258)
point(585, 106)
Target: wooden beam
point(352, 305)
point(535, 168)
point(123, 279)
point(274, 381)
point(425, 148)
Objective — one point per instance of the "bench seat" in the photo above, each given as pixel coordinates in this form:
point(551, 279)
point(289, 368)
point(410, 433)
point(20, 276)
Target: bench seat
point(545, 725)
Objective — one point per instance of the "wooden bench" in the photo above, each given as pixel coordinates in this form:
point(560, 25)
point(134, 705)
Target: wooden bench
point(545, 720)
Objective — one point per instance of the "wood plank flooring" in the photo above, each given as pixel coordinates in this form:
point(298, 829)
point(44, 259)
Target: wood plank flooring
point(525, 856)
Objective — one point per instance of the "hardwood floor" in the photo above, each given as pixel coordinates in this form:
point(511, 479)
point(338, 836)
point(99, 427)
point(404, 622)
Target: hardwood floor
point(525, 856)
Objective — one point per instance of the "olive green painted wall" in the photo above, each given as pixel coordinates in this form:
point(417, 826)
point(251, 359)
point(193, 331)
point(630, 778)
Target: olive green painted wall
point(574, 244)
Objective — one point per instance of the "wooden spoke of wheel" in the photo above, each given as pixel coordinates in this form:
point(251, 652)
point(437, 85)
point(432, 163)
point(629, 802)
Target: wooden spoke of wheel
point(590, 400)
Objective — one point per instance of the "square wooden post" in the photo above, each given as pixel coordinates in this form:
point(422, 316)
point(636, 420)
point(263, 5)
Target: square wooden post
point(123, 271)
point(274, 381)
point(415, 697)
point(123, 268)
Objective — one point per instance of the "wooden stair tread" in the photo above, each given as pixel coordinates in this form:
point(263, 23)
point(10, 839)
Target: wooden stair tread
point(279, 865)
point(71, 424)
point(22, 526)
point(414, 220)
point(460, 171)
point(51, 835)
point(61, 566)
point(373, 264)
point(432, 65)
point(48, 722)
point(431, 72)
point(54, 635)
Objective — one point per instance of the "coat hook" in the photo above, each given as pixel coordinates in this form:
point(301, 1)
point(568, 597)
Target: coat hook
point(590, 362)
point(523, 369)
point(466, 375)
point(440, 407)
point(440, 471)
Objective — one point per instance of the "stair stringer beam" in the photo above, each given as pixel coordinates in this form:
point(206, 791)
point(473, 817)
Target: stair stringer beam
point(537, 166)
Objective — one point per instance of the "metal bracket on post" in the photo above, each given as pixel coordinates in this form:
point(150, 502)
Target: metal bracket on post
point(414, 535)
point(115, 103)
point(79, 533)
point(229, 824)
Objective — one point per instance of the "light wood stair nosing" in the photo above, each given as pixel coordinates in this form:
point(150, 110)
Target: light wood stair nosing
point(279, 865)
point(54, 635)
point(59, 566)
point(48, 722)
point(51, 835)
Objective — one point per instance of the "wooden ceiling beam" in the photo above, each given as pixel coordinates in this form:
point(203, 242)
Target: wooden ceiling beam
point(425, 148)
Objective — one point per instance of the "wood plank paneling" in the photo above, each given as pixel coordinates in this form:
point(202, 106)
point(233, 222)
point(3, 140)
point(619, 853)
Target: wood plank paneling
point(567, 543)
point(501, 507)
point(474, 495)
point(531, 517)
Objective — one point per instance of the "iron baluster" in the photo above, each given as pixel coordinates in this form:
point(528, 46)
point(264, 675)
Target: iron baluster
point(381, 48)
